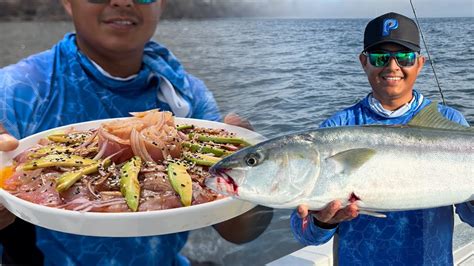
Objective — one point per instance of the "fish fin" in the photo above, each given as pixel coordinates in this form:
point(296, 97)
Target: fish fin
point(372, 213)
point(353, 159)
point(430, 117)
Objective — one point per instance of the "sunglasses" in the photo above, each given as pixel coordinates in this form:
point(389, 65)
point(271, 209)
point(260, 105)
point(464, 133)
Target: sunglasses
point(144, 2)
point(381, 58)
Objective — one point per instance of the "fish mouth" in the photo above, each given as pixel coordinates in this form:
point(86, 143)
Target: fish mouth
point(222, 182)
point(217, 171)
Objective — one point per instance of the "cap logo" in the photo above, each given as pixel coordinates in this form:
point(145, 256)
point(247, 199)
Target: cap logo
point(389, 24)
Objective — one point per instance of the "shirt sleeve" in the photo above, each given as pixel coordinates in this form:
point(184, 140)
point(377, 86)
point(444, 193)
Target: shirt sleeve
point(466, 212)
point(7, 112)
point(342, 118)
point(453, 115)
point(312, 234)
point(23, 89)
point(336, 120)
point(204, 105)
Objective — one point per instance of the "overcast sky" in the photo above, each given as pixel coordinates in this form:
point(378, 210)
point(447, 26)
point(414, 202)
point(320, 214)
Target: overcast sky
point(370, 8)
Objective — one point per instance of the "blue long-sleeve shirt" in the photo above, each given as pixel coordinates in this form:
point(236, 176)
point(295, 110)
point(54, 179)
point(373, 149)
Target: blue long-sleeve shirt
point(62, 86)
point(420, 237)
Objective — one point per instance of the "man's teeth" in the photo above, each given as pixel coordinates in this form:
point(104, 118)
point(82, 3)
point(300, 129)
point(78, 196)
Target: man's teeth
point(393, 78)
point(123, 22)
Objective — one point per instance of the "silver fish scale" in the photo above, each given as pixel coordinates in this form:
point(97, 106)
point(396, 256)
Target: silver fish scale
point(386, 167)
point(412, 167)
point(392, 136)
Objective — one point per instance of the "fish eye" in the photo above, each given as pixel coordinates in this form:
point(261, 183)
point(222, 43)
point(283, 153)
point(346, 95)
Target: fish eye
point(253, 159)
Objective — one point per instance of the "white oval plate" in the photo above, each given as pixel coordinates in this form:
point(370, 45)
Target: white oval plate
point(126, 224)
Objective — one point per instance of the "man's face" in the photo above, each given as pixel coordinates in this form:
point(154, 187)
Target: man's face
point(391, 82)
point(114, 26)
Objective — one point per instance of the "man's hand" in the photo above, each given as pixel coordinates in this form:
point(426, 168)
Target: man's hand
point(330, 216)
point(7, 143)
point(6, 217)
point(236, 120)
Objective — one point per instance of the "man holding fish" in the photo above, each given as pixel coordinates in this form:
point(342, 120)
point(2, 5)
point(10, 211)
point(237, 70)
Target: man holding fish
point(410, 175)
point(107, 69)
point(392, 62)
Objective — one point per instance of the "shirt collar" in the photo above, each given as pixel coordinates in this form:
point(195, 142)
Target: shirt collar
point(376, 106)
point(107, 74)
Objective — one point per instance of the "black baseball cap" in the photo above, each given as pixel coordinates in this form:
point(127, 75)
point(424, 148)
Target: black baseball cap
point(392, 28)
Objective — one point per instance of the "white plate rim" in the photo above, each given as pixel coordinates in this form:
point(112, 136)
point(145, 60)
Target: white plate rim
point(19, 206)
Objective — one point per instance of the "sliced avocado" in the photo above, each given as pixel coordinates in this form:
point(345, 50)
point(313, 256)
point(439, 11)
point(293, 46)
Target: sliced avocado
point(184, 127)
point(68, 179)
point(206, 149)
point(64, 160)
point(50, 149)
point(201, 159)
point(129, 185)
point(215, 139)
point(181, 182)
point(70, 138)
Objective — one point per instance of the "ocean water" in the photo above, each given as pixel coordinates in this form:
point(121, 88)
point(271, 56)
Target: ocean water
point(284, 75)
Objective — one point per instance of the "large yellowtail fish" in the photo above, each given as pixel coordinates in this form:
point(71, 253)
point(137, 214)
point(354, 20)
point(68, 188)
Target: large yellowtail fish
point(429, 163)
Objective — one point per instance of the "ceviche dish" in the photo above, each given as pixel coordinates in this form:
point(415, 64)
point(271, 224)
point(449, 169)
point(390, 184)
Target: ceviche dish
point(142, 163)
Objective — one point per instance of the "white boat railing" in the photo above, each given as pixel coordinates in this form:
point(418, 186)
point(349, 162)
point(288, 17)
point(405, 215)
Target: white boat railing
point(308, 256)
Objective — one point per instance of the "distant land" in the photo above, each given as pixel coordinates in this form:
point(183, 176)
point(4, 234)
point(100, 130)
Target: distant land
point(13, 10)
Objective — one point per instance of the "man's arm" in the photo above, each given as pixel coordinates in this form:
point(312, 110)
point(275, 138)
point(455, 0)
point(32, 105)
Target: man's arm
point(317, 227)
point(6, 217)
point(204, 105)
point(7, 143)
point(246, 227)
point(466, 212)
point(310, 233)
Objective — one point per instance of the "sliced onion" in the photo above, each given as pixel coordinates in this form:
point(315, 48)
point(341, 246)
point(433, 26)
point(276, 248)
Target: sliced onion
point(103, 133)
point(89, 140)
point(183, 136)
point(101, 151)
point(230, 147)
point(161, 122)
point(91, 189)
point(142, 114)
point(110, 157)
point(138, 147)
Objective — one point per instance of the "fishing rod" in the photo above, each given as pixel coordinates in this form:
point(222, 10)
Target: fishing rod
point(428, 53)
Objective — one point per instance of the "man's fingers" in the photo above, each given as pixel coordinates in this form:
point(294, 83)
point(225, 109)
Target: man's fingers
point(327, 214)
point(235, 120)
point(7, 142)
point(302, 211)
point(348, 213)
point(352, 210)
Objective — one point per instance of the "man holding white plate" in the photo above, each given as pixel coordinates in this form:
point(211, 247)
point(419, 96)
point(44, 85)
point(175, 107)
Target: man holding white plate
point(107, 69)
